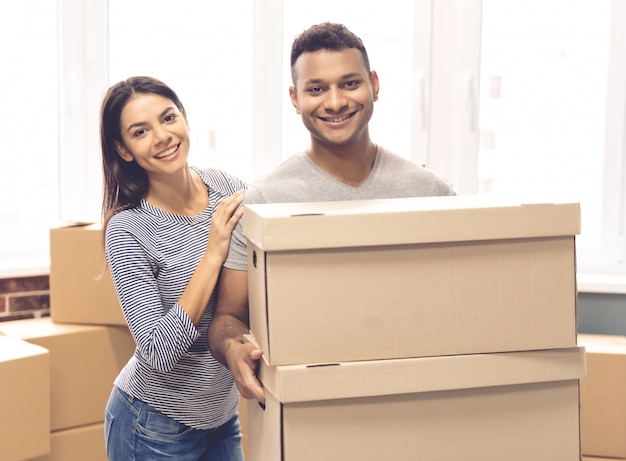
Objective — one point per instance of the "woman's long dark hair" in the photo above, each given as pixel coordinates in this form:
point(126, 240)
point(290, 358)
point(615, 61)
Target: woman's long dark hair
point(125, 183)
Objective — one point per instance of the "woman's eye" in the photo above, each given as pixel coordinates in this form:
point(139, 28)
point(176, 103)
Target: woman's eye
point(170, 117)
point(139, 133)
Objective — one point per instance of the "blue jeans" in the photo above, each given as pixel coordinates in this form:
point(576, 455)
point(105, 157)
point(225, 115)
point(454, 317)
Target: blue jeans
point(135, 431)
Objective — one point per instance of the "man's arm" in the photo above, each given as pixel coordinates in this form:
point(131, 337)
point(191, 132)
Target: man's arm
point(226, 331)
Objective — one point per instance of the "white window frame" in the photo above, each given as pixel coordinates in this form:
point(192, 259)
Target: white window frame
point(603, 269)
point(455, 78)
point(83, 80)
point(453, 148)
point(445, 111)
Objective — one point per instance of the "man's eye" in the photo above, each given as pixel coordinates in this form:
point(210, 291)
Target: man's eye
point(351, 84)
point(315, 90)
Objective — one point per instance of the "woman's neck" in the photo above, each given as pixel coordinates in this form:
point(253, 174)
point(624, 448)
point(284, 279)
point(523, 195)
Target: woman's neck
point(183, 193)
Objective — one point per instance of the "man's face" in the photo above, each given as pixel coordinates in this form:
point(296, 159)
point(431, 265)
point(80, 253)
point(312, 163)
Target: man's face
point(334, 94)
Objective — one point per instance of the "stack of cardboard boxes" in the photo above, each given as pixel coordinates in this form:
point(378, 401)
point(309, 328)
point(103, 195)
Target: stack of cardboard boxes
point(24, 399)
point(429, 328)
point(436, 328)
point(61, 369)
point(603, 398)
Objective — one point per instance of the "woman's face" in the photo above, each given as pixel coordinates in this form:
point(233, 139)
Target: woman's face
point(155, 134)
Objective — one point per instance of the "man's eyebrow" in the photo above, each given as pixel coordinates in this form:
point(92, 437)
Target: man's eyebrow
point(313, 80)
point(343, 77)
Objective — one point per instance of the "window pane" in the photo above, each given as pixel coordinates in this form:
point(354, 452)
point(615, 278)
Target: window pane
point(388, 37)
point(203, 50)
point(544, 67)
point(29, 121)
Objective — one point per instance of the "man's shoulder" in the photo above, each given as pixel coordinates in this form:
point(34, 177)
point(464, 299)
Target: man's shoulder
point(283, 179)
point(287, 168)
point(391, 157)
point(418, 179)
point(394, 164)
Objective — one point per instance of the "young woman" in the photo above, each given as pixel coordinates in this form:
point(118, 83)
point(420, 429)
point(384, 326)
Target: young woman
point(167, 230)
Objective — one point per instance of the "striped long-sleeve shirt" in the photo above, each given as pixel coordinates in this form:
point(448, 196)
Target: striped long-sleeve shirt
point(152, 254)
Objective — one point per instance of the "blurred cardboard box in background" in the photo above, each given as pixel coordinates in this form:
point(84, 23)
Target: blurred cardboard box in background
point(81, 289)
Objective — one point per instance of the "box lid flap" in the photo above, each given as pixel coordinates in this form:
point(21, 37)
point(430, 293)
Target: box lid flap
point(29, 329)
point(14, 348)
point(288, 226)
point(301, 383)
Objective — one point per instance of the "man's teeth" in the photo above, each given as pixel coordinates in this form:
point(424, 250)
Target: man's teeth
point(167, 153)
point(338, 119)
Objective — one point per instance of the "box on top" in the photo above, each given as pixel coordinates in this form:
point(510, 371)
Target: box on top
point(397, 278)
point(310, 225)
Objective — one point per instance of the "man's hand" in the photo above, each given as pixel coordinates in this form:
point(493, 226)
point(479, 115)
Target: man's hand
point(243, 362)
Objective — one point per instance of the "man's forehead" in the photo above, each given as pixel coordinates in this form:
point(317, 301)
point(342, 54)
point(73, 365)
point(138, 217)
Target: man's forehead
point(324, 63)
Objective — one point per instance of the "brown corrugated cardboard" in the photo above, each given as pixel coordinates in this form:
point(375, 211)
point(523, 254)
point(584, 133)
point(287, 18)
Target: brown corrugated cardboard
point(592, 458)
point(77, 444)
point(243, 421)
point(491, 407)
point(24, 399)
point(380, 279)
point(603, 397)
point(81, 289)
point(84, 361)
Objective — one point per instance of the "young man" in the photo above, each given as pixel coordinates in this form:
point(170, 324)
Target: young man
point(334, 91)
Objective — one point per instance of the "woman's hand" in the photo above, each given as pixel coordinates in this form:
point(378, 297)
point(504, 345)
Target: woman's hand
point(196, 295)
point(224, 219)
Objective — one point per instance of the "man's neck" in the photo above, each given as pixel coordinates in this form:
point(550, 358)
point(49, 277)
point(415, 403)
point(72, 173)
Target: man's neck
point(350, 164)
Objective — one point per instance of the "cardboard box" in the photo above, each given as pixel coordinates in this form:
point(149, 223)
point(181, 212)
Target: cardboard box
point(24, 399)
point(588, 458)
point(84, 361)
point(380, 279)
point(489, 407)
point(243, 421)
point(77, 444)
point(81, 288)
point(603, 397)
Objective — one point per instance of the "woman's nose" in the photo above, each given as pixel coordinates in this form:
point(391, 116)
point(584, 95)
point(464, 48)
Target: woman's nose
point(161, 135)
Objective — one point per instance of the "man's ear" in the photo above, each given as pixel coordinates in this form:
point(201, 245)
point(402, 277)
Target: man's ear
point(375, 84)
point(294, 98)
point(123, 152)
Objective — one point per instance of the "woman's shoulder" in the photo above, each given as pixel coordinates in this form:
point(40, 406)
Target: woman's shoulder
point(221, 180)
point(121, 222)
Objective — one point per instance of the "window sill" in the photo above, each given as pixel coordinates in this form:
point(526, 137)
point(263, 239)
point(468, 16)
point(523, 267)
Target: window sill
point(601, 283)
point(587, 282)
point(25, 268)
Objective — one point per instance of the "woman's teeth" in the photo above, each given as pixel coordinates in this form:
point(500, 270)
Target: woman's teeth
point(167, 153)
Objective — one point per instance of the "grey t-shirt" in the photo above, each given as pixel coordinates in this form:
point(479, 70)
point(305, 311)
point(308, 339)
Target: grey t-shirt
point(298, 179)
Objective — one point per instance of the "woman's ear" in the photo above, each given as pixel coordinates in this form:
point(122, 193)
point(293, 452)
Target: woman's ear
point(123, 152)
